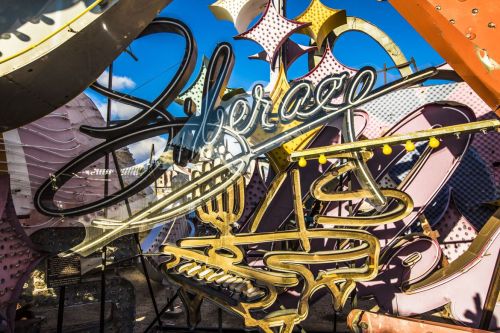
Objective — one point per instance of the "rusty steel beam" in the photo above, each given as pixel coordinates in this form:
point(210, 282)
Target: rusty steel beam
point(466, 33)
point(360, 321)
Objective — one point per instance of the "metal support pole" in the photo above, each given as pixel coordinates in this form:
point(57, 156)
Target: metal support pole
point(103, 291)
point(129, 211)
point(108, 119)
point(491, 297)
point(334, 321)
point(414, 64)
point(148, 280)
point(162, 311)
point(385, 73)
point(136, 238)
point(60, 312)
point(106, 189)
point(219, 313)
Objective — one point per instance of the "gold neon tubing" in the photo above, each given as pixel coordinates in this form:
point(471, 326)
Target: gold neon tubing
point(313, 153)
point(88, 9)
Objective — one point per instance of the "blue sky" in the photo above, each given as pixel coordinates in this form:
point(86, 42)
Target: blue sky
point(159, 55)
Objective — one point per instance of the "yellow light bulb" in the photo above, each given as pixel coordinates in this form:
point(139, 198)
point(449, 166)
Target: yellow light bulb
point(302, 162)
point(387, 150)
point(322, 159)
point(409, 146)
point(434, 143)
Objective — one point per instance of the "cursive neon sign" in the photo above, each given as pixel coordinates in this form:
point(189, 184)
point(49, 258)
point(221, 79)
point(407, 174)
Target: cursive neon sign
point(359, 90)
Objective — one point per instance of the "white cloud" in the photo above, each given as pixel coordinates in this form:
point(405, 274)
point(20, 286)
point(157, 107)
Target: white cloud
point(118, 110)
point(142, 149)
point(119, 82)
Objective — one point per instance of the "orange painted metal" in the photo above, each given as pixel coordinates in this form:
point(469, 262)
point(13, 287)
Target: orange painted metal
point(466, 33)
point(360, 321)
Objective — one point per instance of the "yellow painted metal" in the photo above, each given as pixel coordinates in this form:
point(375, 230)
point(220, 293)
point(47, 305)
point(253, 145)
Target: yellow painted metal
point(323, 20)
point(271, 192)
point(279, 157)
point(328, 151)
